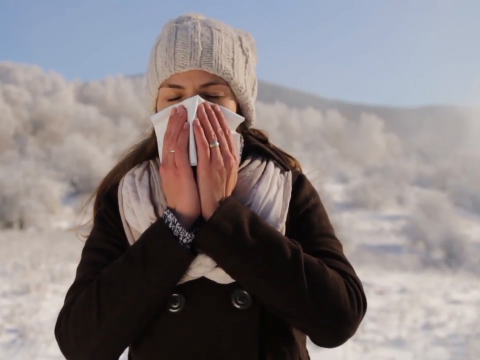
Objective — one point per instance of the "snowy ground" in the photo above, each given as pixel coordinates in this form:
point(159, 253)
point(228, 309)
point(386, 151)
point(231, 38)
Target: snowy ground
point(406, 205)
point(414, 313)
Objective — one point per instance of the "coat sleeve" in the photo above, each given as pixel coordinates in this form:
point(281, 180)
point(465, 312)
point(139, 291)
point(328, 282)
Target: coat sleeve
point(118, 288)
point(303, 277)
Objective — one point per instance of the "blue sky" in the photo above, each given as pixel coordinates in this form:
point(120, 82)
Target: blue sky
point(394, 52)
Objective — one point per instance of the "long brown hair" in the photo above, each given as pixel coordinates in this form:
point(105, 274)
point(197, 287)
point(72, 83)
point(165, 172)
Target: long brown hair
point(147, 150)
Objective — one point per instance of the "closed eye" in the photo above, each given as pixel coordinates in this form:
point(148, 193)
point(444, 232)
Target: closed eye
point(210, 96)
point(205, 96)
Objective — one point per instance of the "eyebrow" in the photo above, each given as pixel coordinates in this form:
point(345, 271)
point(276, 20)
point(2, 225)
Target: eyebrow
point(203, 86)
point(212, 83)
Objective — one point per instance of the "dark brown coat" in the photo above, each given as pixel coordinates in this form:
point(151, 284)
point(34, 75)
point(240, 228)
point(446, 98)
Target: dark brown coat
point(295, 285)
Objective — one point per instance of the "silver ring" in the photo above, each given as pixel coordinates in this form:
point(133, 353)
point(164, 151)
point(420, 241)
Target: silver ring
point(214, 144)
point(170, 151)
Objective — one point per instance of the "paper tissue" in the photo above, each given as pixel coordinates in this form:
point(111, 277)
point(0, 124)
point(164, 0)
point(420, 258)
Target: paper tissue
point(160, 121)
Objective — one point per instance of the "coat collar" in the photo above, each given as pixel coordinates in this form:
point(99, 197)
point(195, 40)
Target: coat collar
point(257, 147)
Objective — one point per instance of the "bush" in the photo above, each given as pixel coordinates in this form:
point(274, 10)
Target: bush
point(29, 194)
point(433, 230)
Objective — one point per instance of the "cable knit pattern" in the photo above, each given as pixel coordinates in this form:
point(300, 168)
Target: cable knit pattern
point(242, 144)
point(193, 42)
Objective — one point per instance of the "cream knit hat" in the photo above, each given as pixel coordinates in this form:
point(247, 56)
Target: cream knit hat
point(193, 42)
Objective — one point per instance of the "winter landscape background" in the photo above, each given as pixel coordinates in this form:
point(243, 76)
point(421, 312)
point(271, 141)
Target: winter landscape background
point(402, 187)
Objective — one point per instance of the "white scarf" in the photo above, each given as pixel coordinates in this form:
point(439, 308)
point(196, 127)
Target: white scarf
point(262, 186)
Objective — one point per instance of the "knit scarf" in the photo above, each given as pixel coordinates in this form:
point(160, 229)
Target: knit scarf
point(262, 186)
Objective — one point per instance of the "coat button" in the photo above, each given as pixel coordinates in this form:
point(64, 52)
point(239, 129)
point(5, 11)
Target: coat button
point(241, 299)
point(176, 302)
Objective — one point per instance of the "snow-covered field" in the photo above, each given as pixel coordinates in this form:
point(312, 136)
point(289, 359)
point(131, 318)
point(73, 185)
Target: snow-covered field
point(404, 199)
point(413, 313)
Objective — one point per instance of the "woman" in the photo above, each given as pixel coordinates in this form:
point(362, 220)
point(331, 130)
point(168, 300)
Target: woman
point(236, 258)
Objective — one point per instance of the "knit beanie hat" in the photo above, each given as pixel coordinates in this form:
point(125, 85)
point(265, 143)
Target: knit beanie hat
point(193, 42)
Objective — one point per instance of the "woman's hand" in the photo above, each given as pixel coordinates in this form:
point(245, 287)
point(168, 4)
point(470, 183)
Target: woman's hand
point(217, 169)
point(177, 175)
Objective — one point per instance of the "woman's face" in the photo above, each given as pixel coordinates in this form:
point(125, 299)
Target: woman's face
point(195, 82)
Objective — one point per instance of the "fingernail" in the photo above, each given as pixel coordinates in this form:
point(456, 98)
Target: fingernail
point(196, 122)
point(216, 107)
point(173, 111)
point(181, 110)
point(185, 126)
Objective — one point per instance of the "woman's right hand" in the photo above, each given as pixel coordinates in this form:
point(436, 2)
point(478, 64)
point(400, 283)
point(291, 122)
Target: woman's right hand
point(178, 181)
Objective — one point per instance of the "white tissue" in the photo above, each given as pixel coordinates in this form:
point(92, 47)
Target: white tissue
point(160, 121)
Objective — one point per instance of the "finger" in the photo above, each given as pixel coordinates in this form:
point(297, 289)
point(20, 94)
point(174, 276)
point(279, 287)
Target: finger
point(206, 129)
point(181, 154)
point(205, 123)
point(180, 119)
point(225, 152)
point(201, 141)
point(166, 137)
point(214, 123)
point(211, 135)
point(226, 129)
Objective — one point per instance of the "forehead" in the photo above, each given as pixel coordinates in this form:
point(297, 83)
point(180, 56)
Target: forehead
point(193, 78)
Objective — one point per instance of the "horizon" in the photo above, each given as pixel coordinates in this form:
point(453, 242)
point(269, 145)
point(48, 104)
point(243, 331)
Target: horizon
point(473, 107)
point(343, 101)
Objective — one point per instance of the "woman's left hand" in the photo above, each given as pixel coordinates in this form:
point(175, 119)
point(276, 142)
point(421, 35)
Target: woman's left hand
point(217, 168)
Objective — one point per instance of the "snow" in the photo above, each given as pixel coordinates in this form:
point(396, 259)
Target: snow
point(403, 196)
point(413, 313)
